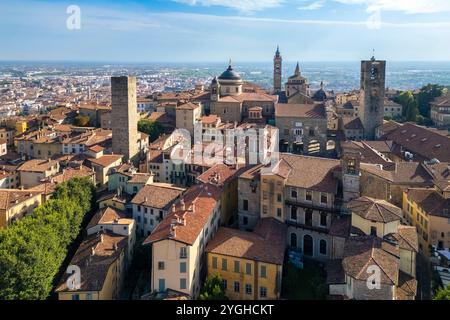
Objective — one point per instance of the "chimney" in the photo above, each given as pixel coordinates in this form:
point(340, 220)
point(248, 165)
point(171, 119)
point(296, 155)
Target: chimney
point(115, 247)
point(183, 205)
point(92, 251)
point(101, 238)
point(174, 208)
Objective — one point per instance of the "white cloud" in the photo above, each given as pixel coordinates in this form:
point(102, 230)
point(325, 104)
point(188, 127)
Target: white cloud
point(313, 6)
point(406, 6)
point(245, 6)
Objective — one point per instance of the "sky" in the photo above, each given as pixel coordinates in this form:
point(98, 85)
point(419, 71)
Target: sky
point(217, 30)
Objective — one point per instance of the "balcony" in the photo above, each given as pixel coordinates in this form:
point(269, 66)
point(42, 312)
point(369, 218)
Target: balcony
point(335, 209)
point(297, 224)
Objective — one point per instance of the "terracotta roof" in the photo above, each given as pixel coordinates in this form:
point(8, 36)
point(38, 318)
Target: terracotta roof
point(424, 143)
point(220, 174)
point(210, 119)
point(267, 243)
point(375, 210)
point(362, 252)
point(199, 204)
point(157, 196)
point(407, 287)
point(188, 106)
point(37, 165)
point(406, 237)
point(314, 111)
point(106, 160)
point(140, 178)
point(11, 197)
point(94, 267)
point(430, 201)
point(381, 146)
point(109, 215)
point(352, 123)
point(319, 179)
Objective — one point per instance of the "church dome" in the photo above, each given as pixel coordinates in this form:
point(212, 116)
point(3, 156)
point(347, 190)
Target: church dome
point(230, 74)
point(320, 95)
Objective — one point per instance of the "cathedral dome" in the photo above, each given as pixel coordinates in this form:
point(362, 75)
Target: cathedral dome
point(320, 95)
point(230, 74)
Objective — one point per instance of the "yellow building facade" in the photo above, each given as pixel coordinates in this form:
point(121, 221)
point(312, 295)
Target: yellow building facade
point(433, 225)
point(246, 279)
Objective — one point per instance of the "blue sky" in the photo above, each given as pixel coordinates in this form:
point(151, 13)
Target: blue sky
point(214, 30)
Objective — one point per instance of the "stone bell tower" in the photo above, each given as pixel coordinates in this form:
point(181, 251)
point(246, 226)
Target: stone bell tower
point(277, 71)
point(373, 84)
point(351, 173)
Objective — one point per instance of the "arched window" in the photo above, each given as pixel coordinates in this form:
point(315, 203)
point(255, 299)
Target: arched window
point(293, 240)
point(323, 247)
point(308, 245)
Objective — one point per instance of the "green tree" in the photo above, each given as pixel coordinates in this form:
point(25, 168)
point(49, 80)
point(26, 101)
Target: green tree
point(426, 95)
point(443, 294)
point(150, 127)
point(33, 248)
point(213, 289)
point(409, 104)
point(82, 121)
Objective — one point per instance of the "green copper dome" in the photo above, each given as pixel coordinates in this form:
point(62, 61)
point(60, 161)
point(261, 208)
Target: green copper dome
point(230, 74)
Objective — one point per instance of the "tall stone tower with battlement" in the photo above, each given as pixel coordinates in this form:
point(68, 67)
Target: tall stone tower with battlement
point(277, 71)
point(373, 84)
point(124, 117)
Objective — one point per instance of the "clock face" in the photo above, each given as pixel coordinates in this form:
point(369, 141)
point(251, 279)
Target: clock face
point(373, 73)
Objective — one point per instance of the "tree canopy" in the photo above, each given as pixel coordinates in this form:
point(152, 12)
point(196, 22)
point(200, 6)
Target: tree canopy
point(410, 107)
point(443, 294)
point(82, 121)
point(33, 248)
point(213, 289)
point(426, 95)
point(150, 127)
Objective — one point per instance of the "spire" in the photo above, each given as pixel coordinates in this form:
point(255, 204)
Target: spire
point(321, 85)
point(278, 51)
point(297, 69)
point(373, 55)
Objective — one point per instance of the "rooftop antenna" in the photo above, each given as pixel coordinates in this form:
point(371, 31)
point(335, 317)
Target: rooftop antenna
point(373, 54)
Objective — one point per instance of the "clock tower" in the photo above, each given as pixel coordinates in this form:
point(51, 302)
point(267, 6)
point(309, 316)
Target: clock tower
point(372, 93)
point(277, 71)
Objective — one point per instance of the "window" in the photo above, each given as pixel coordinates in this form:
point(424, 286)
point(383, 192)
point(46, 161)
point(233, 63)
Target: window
point(264, 209)
point(237, 266)
point(161, 265)
point(279, 197)
point(293, 213)
point(224, 264)
point(139, 208)
point(308, 217)
point(214, 262)
point(183, 253)
point(323, 219)
point(245, 205)
point(323, 247)
point(263, 272)
point(308, 195)
point(162, 285)
point(324, 198)
point(262, 292)
point(245, 221)
point(224, 284)
point(183, 283)
point(88, 296)
point(293, 240)
point(75, 297)
point(248, 289)
point(294, 194)
point(182, 267)
point(237, 286)
point(278, 212)
point(373, 231)
point(145, 220)
point(248, 268)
